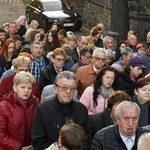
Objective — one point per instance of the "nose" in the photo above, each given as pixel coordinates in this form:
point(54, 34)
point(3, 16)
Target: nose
point(130, 123)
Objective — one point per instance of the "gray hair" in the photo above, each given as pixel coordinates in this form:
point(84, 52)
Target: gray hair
point(110, 53)
point(107, 37)
point(144, 141)
point(65, 74)
point(36, 42)
point(127, 104)
point(126, 51)
point(99, 50)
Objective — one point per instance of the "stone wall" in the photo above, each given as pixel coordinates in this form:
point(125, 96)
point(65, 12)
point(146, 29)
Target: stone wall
point(94, 11)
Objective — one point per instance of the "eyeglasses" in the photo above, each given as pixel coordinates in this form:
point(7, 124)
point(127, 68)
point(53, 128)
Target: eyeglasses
point(99, 59)
point(59, 59)
point(88, 57)
point(65, 88)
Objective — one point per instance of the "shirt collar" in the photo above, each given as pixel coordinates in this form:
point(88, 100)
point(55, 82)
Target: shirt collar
point(124, 138)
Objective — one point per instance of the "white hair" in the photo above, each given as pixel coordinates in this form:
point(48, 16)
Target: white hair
point(144, 141)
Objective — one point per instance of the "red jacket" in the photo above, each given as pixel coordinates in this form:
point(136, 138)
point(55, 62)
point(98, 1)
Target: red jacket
point(6, 86)
point(16, 122)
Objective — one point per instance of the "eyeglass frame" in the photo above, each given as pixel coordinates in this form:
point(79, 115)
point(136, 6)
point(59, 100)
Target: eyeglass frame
point(103, 59)
point(65, 88)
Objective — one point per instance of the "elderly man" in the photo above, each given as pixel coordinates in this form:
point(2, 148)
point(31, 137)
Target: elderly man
point(51, 115)
point(87, 74)
point(82, 43)
point(143, 143)
point(123, 135)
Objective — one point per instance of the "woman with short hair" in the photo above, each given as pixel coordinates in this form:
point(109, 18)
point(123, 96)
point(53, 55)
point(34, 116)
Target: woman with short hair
point(16, 113)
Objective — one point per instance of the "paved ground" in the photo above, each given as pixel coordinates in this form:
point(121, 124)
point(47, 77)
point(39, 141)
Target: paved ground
point(10, 10)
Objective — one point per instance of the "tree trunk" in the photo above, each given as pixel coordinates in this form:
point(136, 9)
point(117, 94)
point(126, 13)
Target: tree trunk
point(120, 18)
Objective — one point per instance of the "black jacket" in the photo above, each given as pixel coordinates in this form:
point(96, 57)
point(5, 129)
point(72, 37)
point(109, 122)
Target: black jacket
point(144, 119)
point(100, 120)
point(49, 118)
point(75, 55)
point(47, 76)
point(109, 139)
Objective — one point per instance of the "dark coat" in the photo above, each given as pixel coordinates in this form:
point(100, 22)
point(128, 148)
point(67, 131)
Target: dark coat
point(47, 76)
point(75, 55)
point(126, 84)
point(50, 116)
point(144, 112)
point(100, 120)
point(109, 139)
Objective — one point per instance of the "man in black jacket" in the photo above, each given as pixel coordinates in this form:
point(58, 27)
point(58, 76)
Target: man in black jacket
point(51, 115)
point(124, 135)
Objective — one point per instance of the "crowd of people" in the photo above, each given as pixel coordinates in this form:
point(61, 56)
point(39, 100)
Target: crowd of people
point(60, 92)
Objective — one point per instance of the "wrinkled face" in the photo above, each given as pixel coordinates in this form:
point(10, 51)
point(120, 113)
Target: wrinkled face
point(148, 38)
point(108, 79)
point(82, 43)
point(108, 60)
point(37, 51)
point(87, 59)
point(11, 48)
point(132, 40)
point(99, 60)
point(122, 46)
point(143, 94)
point(135, 71)
point(109, 44)
point(59, 61)
point(23, 91)
point(18, 44)
point(128, 121)
point(50, 38)
point(65, 89)
point(141, 51)
point(12, 28)
point(2, 35)
point(37, 37)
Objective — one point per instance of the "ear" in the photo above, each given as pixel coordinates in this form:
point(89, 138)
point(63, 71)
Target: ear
point(55, 88)
point(14, 88)
point(116, 118)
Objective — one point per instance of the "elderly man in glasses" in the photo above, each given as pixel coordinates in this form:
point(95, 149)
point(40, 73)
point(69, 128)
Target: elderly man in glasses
point(51, 115)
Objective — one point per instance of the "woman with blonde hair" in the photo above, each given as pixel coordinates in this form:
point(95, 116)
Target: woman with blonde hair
point(16, 113)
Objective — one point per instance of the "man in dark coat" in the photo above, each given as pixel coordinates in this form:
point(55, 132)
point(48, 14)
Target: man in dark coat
point(124, 135)
point(51, 115)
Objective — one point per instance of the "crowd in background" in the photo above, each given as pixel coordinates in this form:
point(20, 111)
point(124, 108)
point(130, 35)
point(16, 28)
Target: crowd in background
point(36, 65)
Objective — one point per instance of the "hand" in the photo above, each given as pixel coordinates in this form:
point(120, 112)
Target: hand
point(30, 147)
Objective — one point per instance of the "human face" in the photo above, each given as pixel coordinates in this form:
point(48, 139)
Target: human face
point(37, 37)
point(59, 61)
point(141, 51)
point(82, 43)
point(23, 21)
point(132, 40)
point(99, 34)
point(143, 94)
point(37, 51)
point(18, 44)
point(109, 43)
point(65, 96)
point(54, 27)
point(101, 25)
point(99, 60)
point(135, 71)
point(127, 57)
point(122, 46)
point(127, 121)
point(23, 91)
point(91, 44)
point(3, 36)
point(12, 28)
point(108, 60)
point(23, 67)
point(148, 38)
point(87, 59)
point(50, 38)
point(72, 43)
point(11, 48)
point(108, 79)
